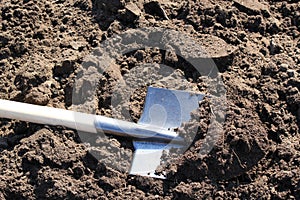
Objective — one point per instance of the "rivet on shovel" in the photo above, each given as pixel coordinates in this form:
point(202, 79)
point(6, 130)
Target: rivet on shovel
point(164, 111)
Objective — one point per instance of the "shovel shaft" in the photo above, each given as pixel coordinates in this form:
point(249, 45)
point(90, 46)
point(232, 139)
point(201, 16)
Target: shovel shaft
point(47, 115)
point(82, 121)
point(137, 131)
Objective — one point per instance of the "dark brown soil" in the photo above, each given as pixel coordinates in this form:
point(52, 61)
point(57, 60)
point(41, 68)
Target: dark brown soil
point(256, 46)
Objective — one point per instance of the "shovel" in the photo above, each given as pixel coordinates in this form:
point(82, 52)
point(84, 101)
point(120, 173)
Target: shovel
point(164, 111)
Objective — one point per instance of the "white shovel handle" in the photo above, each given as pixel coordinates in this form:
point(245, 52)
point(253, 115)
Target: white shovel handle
point(47, 115)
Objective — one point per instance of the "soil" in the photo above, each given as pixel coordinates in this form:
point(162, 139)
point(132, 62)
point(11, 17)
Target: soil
point(256, 47)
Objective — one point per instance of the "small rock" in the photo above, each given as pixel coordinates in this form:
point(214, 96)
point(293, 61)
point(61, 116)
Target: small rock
point(267, 110)
point(155, 8)
point(274, 47)
point(189, 28)
point(131, 13)
point(171, 56)
point(133, 9)
point(291, 73)
point(251, 7)
point(38, 96)
point(274, 26)
point(218, 26)
point(284, 67)
point(77, 45)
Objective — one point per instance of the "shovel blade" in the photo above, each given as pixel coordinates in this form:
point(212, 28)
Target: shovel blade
point(165, 109)
point(168, 109)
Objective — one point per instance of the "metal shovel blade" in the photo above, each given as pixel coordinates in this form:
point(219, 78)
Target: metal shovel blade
point(167, 110)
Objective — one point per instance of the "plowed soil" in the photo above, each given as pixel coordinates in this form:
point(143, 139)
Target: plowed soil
point(256, 47)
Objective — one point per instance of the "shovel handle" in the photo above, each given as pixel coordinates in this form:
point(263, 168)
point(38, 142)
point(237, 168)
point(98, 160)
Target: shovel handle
point(47, 115)
point(83, 122)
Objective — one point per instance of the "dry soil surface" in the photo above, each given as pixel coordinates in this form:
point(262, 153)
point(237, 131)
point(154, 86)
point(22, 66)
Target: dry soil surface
point(256, 47)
